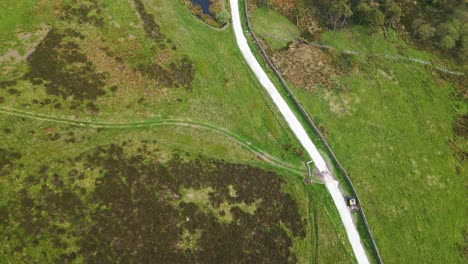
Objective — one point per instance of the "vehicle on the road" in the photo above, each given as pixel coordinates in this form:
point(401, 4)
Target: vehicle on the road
point(352, 203)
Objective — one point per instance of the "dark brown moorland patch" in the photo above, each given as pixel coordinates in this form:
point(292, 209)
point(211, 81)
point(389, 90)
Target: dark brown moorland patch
point(152, 29)
point(134, 212)
point(86, 12)
point(460, 126)
point(65, 71)
point(7, 160)
point(178, 74)
point(5, 84)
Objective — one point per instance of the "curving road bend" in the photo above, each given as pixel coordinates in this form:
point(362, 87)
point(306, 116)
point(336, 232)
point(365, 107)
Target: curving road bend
point(301, 134)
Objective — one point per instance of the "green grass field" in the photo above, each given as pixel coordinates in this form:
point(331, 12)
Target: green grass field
point(274, 28)
point(390, 129)
point(40, 129)
point(393, 142)
point(35, 141)
point(221, 93)
point(390, 125)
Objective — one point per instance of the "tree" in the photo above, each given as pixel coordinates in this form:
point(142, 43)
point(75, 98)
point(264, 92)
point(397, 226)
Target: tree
point(426, 32)
point(376, 19)
point(392, 13)
point(464, 47)
point(223, 16)
point(362, 10)
point(371, 15)
point(339, 12)
point(447, 5)
point(264, 3)
point(417, 23)
point(451, 29)
point(447, 42)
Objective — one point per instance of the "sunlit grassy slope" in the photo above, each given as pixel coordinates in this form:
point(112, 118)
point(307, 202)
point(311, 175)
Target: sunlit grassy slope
point(224, 94)
point(277, 30)
point(390, 127)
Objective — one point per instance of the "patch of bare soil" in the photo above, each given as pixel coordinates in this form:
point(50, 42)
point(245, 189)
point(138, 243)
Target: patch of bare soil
point(120, 76)
point(308, 67)
point(55, 7)
point(11, 56)
point(460, 126)
point(459, 81)
point(305, 66)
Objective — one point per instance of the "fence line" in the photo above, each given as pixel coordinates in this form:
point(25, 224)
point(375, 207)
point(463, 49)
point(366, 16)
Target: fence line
point(314, 127)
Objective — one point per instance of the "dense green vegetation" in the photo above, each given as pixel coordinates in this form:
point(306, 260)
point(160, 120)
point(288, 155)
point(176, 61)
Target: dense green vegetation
point(277, 30)
point(218, 16)
point(72, 173)
point(397, 128)
point(438, 25)
point(390, 128)
point(87, 176)
point(134, 67)
point(119, 202)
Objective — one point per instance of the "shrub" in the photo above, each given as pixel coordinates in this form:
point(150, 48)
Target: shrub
point(447, 42)
point(223, 16)
point(448, 29)
point(426, 32)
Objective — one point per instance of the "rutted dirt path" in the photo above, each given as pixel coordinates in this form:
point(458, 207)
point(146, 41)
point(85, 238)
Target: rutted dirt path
point(301, 134)
point(158, 123)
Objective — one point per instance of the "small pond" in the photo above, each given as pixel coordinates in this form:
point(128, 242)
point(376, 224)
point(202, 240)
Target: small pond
point(205, 5)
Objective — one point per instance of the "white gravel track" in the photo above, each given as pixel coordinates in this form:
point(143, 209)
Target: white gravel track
point(301, 134)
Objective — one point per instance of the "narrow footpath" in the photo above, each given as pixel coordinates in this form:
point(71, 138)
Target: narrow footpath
point(301, 134)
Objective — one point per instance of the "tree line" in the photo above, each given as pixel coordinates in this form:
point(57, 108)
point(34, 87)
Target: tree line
point(438, 23)
point(441, 24)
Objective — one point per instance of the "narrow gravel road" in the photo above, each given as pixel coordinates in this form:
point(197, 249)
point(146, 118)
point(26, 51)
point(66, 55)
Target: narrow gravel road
point(301, 134)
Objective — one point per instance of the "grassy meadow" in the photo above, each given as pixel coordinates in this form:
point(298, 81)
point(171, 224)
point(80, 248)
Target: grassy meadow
point(390, 129)
point(391, 125)
point(83, 84)
point(220, 93)
point(277, 30)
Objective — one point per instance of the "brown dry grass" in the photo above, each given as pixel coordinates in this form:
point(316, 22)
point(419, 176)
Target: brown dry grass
point(285, 7)
point(165, 56)
point(305, 66)
point(120, 74)
point(54, 6)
